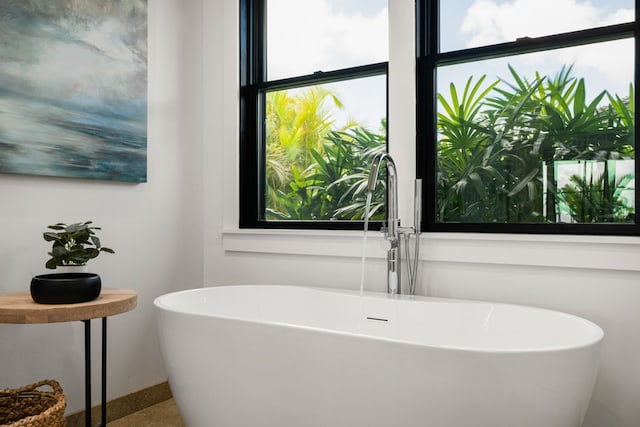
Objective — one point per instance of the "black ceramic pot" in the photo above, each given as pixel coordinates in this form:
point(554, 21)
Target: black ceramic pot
point(65, 288)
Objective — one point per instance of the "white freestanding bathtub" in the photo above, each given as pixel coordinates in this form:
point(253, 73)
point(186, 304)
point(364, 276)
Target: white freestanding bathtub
point(285, 356)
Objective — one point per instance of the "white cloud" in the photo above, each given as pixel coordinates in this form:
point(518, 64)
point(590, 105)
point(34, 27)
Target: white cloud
point(307, 36)
point(610, 64)
point(488, 21)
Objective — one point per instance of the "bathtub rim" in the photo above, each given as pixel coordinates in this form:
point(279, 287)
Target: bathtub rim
point(595, 340)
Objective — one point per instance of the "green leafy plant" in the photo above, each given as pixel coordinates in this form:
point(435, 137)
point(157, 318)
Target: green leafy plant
point(593, 199)
point(499, 146)
point(334, 187)
point(73, 244)
point(315, 170)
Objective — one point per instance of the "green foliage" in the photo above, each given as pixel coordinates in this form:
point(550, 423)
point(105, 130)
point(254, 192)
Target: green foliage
point(499, 144)
point(496, 142)
point(315, 171)
point(73, 244)
point(334, 186)
point(594, 200)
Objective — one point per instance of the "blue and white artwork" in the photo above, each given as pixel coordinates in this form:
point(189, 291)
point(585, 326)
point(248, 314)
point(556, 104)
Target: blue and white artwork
point(73, 88)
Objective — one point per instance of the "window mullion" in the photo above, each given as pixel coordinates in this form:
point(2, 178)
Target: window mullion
point(426, 124)
point(537, 44)
point(636, 94)
point(321, 77)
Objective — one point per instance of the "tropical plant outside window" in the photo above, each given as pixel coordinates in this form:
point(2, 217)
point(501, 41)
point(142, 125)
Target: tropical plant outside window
point(533, 126)
point(312, 121)
point(535, 151)
point(316, 170)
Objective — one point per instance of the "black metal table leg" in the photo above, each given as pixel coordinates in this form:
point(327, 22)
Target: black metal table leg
point(87, 374)
point(103, 402)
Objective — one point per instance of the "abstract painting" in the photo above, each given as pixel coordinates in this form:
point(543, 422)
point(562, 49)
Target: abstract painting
point(73, 88)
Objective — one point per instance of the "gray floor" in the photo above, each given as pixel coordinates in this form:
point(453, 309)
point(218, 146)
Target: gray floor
point(163, 414)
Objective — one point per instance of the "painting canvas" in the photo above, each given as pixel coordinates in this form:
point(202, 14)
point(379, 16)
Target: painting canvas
point(73, 88)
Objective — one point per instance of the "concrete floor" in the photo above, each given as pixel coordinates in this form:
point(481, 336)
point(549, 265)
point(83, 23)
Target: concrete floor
point(163, 414)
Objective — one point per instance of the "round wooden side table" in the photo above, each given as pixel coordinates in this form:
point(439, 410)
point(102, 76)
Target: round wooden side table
point(20, 308)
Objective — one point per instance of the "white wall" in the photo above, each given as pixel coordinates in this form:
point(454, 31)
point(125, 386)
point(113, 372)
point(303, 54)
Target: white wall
point(594, 277)
point(179, 230)
point(155, 228)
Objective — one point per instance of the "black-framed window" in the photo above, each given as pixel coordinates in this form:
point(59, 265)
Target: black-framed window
point(526, 121)
point(313, 108)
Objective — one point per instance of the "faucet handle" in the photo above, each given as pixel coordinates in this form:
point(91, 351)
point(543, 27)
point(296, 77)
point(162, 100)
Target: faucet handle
point(407, 230)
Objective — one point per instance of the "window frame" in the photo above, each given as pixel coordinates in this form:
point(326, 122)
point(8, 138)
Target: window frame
point(428, 58)
point(252, 150)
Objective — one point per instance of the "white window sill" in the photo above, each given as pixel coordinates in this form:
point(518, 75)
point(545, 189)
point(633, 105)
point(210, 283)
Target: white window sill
point(620, 253)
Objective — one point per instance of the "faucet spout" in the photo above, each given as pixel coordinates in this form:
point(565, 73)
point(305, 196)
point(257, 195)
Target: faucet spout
point(373, 175)
point(392, 190)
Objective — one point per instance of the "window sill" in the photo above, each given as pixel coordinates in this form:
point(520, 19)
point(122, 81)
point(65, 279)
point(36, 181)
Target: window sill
point(344, 243)
point(619, 253)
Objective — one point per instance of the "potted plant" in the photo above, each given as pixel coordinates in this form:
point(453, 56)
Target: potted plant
point(72, 245)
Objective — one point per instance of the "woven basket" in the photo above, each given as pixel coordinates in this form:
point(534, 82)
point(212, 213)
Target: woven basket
point(28, 407)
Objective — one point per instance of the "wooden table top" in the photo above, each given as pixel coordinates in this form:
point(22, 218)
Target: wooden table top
point(19, 307)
